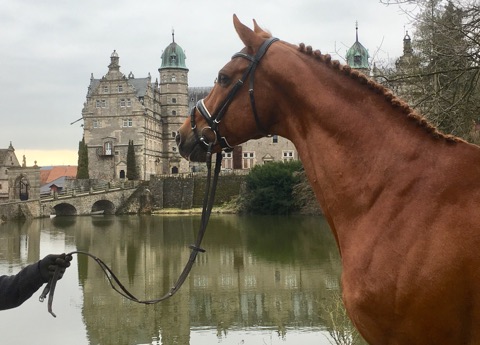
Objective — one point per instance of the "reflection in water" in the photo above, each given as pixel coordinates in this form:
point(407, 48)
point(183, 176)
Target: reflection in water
point(258, 273)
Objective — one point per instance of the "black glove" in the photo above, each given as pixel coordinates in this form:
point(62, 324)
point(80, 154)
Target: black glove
point(49, 263)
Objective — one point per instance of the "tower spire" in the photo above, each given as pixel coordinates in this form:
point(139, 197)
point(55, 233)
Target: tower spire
point(356, 31)
point(173, 35)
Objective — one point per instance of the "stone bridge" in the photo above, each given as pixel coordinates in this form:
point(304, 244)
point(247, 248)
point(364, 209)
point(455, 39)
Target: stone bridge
point(76, 202)
point(92, 202)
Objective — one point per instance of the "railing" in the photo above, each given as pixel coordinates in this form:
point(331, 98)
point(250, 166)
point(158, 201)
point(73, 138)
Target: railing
point(97, 188)
point(223, 172)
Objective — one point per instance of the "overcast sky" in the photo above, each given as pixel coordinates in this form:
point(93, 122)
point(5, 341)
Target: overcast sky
point(49, 48)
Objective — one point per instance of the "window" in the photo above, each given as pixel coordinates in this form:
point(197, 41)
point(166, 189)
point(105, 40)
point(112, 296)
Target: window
point(227, 162)
point(248, 160)
point(105, 89)
point(127, 123)
point(287, 155)
point(174, 100)
point(129, 102)
point(107, 148)
point(174, 134)
point(122, 102)
point(275, 139)
point(174, 112)
point(174, 78)
point(101, 103)
point(120, 88)
point(0, 186)
point(96, 124)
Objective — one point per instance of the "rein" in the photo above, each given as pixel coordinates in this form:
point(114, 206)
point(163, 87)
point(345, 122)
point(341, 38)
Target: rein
point(115, 283)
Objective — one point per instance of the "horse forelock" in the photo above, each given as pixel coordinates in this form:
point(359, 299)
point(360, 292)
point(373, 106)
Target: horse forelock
point(378, 88)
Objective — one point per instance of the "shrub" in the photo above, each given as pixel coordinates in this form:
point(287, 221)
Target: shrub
point(269, 188)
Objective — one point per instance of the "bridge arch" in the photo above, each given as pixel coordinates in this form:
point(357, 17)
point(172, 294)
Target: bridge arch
point(106, 206)
point(65, 209)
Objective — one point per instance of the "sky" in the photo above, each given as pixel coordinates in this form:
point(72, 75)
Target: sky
point(50, 48)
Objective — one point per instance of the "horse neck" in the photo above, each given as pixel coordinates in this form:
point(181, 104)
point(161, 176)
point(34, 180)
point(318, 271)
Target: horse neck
point(353, 143)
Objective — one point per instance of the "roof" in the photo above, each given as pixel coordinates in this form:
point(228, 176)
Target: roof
point(5, 154)
point(173, 57)
point(59, 183)
point(139, 84)
point(357, 55)
point(56, 172)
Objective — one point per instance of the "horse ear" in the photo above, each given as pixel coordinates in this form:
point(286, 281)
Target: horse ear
point(258, 29)
point(247, 35)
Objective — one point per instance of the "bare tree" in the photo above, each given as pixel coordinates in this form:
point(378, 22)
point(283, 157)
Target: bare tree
point(441, 75)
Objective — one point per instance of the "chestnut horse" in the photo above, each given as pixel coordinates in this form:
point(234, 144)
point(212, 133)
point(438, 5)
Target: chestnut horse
point(401, 198)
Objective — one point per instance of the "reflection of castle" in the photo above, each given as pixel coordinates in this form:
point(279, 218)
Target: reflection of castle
point(229, 286)
point(19, 246)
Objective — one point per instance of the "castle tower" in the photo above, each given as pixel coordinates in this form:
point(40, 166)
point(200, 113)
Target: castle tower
point(408, 59)
point(174, 105)
point(357, 56)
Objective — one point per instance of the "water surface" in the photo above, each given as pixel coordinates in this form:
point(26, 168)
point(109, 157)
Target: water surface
point(263, 280)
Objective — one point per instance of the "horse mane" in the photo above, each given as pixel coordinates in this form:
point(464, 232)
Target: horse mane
point(378, 88)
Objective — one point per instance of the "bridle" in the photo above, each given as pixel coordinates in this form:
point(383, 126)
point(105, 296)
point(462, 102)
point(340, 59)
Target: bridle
point(214, 119)
point(210, 188)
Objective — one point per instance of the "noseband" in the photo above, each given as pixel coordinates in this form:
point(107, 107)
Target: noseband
point(214, 120)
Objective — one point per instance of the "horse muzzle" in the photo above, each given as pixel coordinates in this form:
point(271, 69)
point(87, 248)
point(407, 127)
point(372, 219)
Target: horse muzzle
point(189, 147)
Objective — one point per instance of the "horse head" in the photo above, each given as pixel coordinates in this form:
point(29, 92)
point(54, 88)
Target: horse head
point(238, 108)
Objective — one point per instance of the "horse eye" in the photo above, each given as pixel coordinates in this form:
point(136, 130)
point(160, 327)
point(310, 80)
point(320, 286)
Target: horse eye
point(223, 79)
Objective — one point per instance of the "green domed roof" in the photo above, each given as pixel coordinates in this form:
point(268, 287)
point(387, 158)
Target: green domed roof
point(357, 56)
point(173, 56)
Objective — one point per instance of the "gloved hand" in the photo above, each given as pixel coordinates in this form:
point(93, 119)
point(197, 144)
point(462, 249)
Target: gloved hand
point(49, 263)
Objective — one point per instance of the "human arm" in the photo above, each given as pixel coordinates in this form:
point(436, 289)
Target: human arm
point(16, 289)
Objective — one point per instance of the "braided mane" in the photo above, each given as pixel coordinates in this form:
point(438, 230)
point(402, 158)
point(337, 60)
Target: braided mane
point(380, 89)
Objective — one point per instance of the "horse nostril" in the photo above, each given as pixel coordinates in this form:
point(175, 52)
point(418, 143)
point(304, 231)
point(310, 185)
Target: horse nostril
point(177, 138)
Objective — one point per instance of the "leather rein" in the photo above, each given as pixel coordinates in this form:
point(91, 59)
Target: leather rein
point(210, 188)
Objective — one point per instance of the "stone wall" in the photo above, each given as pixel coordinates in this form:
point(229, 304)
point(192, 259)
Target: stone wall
point(187, 192)
point(20, 210)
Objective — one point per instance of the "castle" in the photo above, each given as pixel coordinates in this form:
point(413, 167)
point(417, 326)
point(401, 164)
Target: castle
point(120, 109)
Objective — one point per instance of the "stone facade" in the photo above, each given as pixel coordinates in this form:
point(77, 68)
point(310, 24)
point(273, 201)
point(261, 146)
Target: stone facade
point(17, 182)
point(120, 108)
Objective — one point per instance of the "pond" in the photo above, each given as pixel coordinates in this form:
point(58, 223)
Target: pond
point(262, 280)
